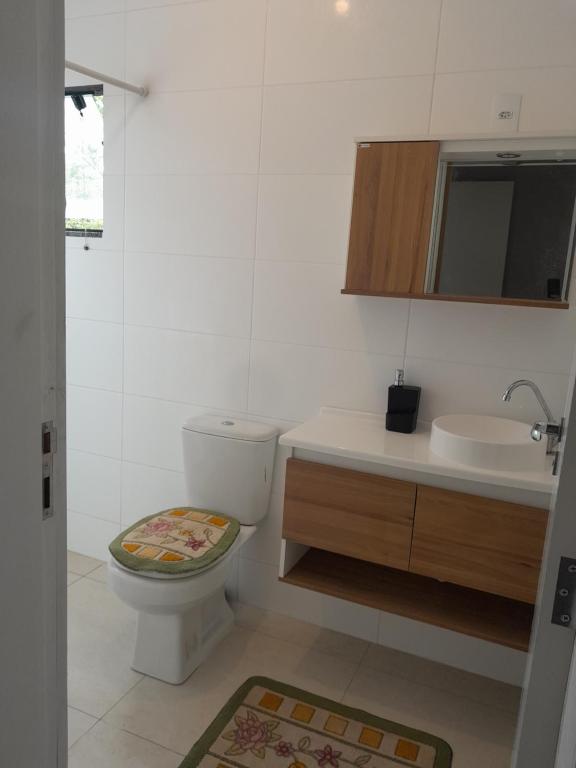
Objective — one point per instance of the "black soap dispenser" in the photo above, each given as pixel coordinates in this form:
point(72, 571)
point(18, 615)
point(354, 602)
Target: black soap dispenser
point(403, 402)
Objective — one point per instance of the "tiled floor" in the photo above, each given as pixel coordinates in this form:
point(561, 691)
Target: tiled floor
point(120, 719)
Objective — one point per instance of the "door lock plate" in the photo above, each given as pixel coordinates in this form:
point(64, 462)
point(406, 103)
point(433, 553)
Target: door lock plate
point(48, 446)
point(564, 610)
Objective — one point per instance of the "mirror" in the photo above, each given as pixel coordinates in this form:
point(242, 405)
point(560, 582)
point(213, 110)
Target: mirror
point(503, 228)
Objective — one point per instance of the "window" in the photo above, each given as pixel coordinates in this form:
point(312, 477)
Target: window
point(84, 124)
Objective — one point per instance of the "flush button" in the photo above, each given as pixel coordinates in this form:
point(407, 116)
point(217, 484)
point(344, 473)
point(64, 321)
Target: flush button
point(228, 423)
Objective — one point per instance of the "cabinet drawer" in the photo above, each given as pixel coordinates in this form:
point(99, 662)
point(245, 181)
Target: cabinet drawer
point(351, 513)
point(493, 546)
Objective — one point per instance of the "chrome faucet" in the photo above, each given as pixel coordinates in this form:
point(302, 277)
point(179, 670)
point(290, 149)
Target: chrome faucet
point(551, 428)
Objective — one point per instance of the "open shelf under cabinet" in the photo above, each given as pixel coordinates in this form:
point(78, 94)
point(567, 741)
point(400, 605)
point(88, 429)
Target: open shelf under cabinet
point(468, 611)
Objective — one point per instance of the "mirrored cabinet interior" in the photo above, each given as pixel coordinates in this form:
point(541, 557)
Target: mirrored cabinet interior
point(487, 221)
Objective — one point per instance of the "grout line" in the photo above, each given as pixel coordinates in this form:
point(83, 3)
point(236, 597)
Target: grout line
point(435, 72)
point(368, 644)
point(82, 712)
point(93, 725)
point(149, 741)
point(71, 242)
point(257, 212)
point(95, 320)
point(432, 75)
point(348, 686)
point(286, 343)
point(408, 319)
point(125, 194)
point(444, 690)
point(83, 575)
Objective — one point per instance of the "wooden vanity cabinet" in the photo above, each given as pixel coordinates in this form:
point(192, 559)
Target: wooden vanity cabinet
point(461, 562)
point(352, 513)
point(391, 217)
point(488, 545)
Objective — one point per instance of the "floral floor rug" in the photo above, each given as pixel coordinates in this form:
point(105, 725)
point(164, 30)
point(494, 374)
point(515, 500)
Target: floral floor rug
point(267, 724)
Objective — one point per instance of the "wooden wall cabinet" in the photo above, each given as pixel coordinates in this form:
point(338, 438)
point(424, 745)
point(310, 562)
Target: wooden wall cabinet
point(392, 207)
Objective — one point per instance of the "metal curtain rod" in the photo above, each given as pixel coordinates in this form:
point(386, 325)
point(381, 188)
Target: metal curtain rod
point(140, 91)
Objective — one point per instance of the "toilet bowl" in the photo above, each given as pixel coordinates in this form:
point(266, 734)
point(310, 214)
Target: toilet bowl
point(182, 615)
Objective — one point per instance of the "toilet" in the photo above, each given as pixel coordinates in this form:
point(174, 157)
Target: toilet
point(172, 567)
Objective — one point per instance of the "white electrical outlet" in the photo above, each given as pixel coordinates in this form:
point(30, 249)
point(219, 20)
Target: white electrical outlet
point(505, 114)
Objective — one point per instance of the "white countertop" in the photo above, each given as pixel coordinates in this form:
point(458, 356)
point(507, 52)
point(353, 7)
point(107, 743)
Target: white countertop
point(363, 436)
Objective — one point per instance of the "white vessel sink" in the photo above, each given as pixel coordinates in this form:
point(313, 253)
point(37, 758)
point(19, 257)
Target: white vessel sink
point(488, 442)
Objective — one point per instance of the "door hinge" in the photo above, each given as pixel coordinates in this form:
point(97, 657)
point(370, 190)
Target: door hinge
point(564, 610)
point(48, 443)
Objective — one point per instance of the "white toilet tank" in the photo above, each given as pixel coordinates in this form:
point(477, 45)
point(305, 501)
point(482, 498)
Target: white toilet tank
point(228, 465)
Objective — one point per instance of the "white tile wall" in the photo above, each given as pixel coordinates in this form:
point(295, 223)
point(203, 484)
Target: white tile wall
point(463, 101)
point(227, 202)
point(94, 485)
point(506, 34)
point(509, 337)
point(308, 41)
point(74, 8)
point(204, 295)
point(259, 585)
point(97, 42)
point(184, 214)
point(464, 388)
point(304, 218)
point(293, 381)
point(94, 421)
point(146, 490)
point(94, 282)
point(197, 45)
point(310, 128)
point(194, 132)
point(152, 431)
point(91, 536)
point(186, 367)
point(302, 304)
point(94, 356)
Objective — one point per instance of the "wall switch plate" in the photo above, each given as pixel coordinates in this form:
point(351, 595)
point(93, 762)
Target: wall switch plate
point(505, 114)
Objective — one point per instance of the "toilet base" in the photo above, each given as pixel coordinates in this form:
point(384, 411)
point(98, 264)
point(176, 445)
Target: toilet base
point(170, 646)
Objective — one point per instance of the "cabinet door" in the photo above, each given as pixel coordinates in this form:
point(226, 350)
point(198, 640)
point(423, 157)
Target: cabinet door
point(493, 546)
point(351, 513)
point(391, 217)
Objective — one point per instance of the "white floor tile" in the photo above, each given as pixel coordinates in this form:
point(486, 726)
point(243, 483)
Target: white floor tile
point(79, 723)
point(71, 578)
point(100, 574)
point(105, 746)
point(175, 716)
point(480, 736)
point(302, 633)
point(457, 681)
point(81, 565)
point(100, 637)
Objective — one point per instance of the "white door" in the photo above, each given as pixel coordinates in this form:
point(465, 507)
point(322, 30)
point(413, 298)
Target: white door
point(566, 756)
point(552, 645)
point(32, 549)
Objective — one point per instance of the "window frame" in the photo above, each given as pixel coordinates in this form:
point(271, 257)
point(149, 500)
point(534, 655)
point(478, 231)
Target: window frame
point(84, 90)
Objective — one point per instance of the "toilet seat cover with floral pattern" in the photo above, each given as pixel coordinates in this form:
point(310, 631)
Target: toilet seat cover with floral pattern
point(175, 541)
